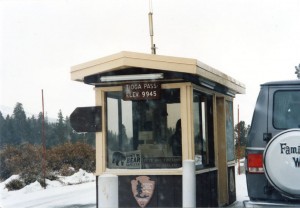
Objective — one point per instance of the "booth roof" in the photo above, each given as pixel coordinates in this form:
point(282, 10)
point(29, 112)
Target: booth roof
point(127, 59)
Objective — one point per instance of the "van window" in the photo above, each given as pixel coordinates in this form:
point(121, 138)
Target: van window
point(286, 110)
point(144, 134)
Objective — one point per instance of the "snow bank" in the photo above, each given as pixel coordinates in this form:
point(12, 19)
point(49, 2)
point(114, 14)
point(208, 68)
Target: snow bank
point(241, 185)
point(3, 190)
point(11, 178)
point(57, 193)
point(77, 178)
point(33, 187)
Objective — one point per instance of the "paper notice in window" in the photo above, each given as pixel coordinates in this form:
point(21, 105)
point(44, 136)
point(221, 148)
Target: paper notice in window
point(125, 160)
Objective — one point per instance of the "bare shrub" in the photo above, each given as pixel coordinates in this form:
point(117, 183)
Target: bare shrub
point(31, 163)
point(26, 160)
point(10, 161)
point(77, 155)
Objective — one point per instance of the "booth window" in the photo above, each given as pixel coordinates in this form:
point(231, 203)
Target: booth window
point(203, 132)
point(140, 133)
point(229, 131)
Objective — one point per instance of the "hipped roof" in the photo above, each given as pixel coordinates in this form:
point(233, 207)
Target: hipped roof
point(125, 59)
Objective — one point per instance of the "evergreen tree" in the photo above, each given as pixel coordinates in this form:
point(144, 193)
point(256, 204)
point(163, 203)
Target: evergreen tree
point(39, 126)
point(72, 135)
point(90, 138)
point(243, 130)
point(240, 136)
point(61, 128)
point(20, 125)
point(50, 134)
point(35, 130)
point(17, 129)
point(2, 121)
point(7, 131)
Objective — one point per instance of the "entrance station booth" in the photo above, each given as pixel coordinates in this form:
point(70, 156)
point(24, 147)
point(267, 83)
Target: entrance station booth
point(157, 112)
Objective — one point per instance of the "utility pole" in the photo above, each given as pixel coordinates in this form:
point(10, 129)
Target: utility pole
point(43, 141)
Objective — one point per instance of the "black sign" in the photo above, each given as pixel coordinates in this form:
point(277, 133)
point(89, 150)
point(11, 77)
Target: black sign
point(87, 119)
point(141, 91)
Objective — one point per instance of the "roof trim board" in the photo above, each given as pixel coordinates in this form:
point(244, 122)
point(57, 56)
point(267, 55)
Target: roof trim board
point(127, 59)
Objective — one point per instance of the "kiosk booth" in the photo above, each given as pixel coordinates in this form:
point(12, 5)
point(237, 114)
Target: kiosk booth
point(155, 113)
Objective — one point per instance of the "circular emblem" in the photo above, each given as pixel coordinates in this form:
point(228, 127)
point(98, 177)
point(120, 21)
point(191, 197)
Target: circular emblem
point(282, 162)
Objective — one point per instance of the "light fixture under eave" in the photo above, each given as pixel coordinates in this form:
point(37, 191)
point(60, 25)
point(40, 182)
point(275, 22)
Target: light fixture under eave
point(230, 93)
point(131, 77)
point(208, 85)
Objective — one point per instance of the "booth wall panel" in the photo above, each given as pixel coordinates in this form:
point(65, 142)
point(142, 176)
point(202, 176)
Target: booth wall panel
point(206, 189)
point(231, 185)
point(168, 190)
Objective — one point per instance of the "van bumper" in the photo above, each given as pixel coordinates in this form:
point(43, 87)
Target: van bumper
point(254, 204)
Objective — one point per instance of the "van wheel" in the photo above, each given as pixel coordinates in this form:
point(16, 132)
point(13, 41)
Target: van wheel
point(282, 162)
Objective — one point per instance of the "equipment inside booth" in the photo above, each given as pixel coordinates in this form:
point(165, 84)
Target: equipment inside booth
point(139, 132)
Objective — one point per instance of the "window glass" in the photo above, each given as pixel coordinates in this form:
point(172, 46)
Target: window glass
point(142, 134)
point(229, 131)
point(202, 108)
point(286, 110)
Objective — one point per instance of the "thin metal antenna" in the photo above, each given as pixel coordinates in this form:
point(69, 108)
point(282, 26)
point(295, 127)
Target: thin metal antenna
point(153, 48)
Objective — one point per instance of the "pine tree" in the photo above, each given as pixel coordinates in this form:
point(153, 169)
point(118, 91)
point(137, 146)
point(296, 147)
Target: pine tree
point(17, 130)
point(20, 125)
point(2, 120)
point(35, 129)
point(7, 131)
point(72, 136)
point(240, 136)
point(243, 130)
point(61, 128)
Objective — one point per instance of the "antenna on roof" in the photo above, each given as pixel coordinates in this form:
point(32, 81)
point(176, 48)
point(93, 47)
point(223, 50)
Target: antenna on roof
point(153, 47)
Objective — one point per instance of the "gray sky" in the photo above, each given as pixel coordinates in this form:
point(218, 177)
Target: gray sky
point(254, 41)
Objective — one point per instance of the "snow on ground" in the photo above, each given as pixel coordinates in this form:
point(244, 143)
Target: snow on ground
point(76, 191)
point(241, 186)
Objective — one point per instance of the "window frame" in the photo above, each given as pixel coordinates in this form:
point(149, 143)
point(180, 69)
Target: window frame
point(101, 155)
point(186, 112)
point(133, 119)
point(273, 108)
point(208, 133)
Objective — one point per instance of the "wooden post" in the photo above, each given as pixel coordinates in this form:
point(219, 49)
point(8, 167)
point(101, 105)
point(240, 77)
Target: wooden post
point(222, 152)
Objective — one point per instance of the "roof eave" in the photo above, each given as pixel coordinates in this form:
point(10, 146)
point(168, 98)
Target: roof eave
point(127, 59)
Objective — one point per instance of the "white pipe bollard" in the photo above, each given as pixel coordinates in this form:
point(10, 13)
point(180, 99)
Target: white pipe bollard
point(108, 191)
point(188, 184)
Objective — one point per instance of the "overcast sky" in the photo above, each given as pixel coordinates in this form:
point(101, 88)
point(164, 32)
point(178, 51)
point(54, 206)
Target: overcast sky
point(254, 41)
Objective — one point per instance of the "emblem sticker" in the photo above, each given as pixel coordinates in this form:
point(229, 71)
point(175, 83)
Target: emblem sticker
point(142, 189)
